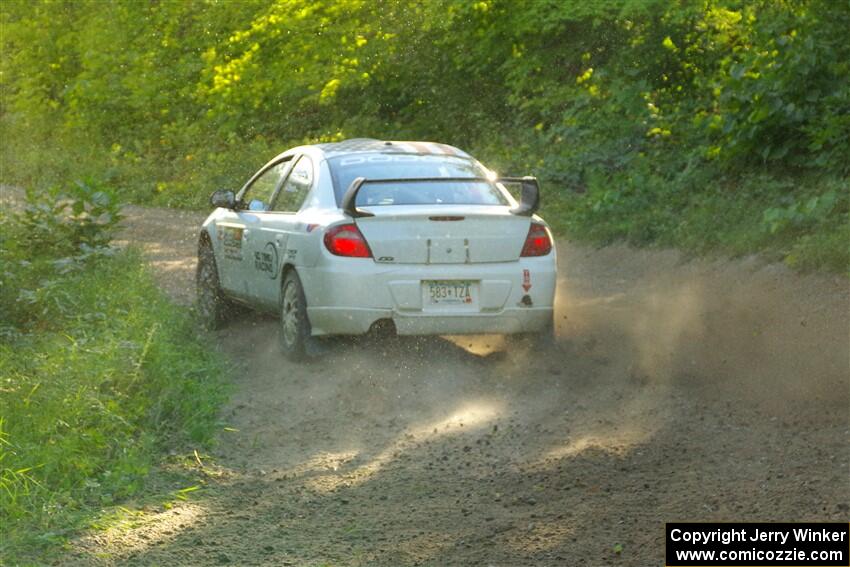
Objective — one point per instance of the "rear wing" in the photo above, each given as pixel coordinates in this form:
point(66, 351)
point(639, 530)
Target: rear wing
point(529, 202)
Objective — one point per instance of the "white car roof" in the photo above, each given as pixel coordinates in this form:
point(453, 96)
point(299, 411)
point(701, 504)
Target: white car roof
point(356, 145)
point(327, 150)
point(371, 145)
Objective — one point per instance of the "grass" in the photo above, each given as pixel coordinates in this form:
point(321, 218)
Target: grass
point(801, 221)
point(104, 378)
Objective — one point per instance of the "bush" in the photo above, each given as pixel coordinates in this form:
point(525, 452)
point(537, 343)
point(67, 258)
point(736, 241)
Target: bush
point(57, 233)
point(100, 372)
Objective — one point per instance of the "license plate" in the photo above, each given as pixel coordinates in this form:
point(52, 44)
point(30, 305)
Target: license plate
point(450, 292)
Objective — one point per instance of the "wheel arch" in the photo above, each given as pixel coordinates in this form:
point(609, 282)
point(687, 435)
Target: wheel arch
point(285, 269)
point(204, 239)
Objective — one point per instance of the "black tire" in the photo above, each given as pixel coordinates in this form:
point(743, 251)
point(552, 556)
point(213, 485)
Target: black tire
point(212, 305)
point(294, 324)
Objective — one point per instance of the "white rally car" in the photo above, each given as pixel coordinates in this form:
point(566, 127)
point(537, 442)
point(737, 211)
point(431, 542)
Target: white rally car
point(339, 237)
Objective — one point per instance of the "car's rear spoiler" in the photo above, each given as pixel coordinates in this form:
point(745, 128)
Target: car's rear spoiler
point(529, 202)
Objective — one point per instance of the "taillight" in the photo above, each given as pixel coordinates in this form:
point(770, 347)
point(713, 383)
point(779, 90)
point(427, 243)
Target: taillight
point(346, 240)
point(537, 243)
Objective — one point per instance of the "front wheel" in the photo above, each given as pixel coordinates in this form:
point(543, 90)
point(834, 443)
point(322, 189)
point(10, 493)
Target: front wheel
point(212, 304)
point(294, 325)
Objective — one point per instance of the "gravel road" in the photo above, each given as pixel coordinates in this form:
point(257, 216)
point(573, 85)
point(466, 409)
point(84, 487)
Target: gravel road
point(702, 390)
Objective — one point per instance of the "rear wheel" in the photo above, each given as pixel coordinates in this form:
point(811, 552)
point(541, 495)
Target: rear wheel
point(213, 306)
point(294, 325)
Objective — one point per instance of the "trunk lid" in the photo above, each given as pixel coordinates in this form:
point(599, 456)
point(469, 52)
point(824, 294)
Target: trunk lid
point(443, 234)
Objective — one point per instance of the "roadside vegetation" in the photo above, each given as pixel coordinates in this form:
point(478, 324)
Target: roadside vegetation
point(719, 125)
point(100, 374)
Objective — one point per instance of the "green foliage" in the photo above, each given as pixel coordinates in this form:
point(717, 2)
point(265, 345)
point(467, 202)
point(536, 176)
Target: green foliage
point(69, 222)
point(610, 101)
point(798, 214)
point(98, 371)
point(807, 228)
point(58, 232)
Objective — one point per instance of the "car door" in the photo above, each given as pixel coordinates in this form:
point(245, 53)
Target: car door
point(237, 229)
point(268, 245)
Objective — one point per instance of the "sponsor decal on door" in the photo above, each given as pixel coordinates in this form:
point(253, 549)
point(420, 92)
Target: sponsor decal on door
point(267, 260)
point(231, 237)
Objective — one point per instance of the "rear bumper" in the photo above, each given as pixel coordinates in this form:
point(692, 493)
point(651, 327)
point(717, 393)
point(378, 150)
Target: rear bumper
point(331, 320)
point(349, 295)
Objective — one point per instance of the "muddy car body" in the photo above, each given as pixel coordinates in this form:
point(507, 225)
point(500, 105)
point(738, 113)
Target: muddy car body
point(338, 237)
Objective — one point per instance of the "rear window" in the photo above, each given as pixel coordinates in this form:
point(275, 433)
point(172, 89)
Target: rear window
point(345, 169)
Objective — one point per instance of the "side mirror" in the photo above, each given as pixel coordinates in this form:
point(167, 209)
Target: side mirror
point(224, 199)
point(530, 200)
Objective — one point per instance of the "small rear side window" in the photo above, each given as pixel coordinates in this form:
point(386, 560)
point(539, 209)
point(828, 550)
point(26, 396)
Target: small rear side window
point(295, 188)
point(345, 169)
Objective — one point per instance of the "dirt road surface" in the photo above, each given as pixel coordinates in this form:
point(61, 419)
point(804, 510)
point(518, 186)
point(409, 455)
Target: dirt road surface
point(678, 390)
